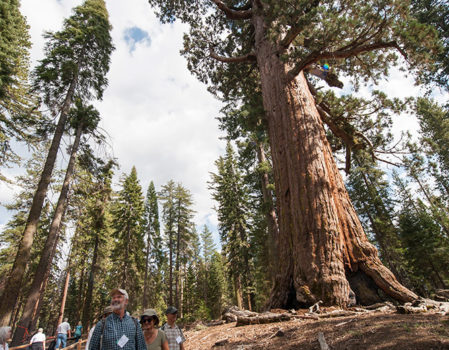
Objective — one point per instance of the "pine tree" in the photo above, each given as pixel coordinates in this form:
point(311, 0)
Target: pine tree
point(208, 245)
point(154, 255)
point(92, 241)
point(18, 115)
point(166, 196)
point(423, 217)
point(76, 63)
point(426, 247)
point(208, 249)
point(436, 13)
point(434, 126)
point(127, 221)
point(177, 217)
point(84, 120)
point(216, 286)
point(230, 194)
point(97, 211)
point(10, 237)
point(185, 232)
point(192, 304)
point(373, 199)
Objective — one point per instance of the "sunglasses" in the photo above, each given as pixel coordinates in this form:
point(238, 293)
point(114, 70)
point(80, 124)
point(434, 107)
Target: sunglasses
point(146, 320)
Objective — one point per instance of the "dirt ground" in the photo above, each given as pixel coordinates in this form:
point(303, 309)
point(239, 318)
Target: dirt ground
point(376, 331)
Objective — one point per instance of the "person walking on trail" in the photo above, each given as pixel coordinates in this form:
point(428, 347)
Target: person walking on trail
point(37, 342)
point(118, 331)
point(106, 312)
point(154, 338)
point(5, 335)
point(63, 331)
point(78, 331)
point(174, 334)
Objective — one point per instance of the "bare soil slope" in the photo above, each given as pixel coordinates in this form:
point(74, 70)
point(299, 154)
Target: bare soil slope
point(378, 331)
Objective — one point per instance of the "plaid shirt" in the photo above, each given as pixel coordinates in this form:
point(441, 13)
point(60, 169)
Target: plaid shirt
point(114, 328)
point(172, 333)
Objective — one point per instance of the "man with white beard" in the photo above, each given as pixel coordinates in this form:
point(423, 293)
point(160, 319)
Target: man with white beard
point(118, 331)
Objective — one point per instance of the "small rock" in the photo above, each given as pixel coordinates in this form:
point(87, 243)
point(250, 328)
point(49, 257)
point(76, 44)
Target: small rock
point(279, 333)
point(221, 342)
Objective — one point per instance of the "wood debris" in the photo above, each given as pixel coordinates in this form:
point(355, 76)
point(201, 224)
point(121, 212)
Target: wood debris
point(322, 341)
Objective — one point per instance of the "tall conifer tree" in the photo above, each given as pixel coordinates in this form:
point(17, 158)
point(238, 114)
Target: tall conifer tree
point(167, 197)
point(18, 115)
point(185, 231)
point(152, 286)
point(373, 199)
point(127, 221)
point(230, 194)
point(76, 62)
point(84, 120)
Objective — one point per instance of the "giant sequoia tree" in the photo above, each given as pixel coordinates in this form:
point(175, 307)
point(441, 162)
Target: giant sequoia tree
point(270, 46)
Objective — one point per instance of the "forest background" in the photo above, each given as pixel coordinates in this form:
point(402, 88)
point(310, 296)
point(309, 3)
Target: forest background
point(412, 223)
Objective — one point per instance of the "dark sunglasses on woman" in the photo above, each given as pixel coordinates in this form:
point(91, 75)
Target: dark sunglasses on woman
point(143, 320)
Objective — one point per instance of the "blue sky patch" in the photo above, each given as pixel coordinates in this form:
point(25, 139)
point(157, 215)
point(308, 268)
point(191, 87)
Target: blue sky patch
point(135, 35)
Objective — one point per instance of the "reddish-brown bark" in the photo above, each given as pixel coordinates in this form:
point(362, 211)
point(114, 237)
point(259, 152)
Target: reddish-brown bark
point(47, 253)
point(321, 240)
point(14, 284)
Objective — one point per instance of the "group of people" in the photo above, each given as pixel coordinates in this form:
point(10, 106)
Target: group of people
point(37, 341)
point(64, 332)
point(117, 330)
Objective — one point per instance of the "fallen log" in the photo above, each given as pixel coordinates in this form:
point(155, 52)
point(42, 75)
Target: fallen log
point(231, 314)
point(215, 323)
point(424, 305)
point(270, 317)
point(379, 306)
point(262, 318)
point(442, 294)
point(338, 313)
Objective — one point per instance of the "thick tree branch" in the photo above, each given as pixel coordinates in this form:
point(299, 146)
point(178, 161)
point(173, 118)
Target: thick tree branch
point(251, 57)
point(316, 56)
point(233, 13)
point(330, 78)
point(296, 29)
point(348, 139)
point(289, 37)
point(247, 6)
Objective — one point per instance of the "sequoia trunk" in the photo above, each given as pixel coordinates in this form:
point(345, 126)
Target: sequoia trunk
point(322, 244)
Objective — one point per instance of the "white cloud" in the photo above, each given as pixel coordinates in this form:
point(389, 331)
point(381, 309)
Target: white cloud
point(160, 119)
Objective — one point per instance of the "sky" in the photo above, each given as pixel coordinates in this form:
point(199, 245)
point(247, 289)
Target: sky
point(158, 117)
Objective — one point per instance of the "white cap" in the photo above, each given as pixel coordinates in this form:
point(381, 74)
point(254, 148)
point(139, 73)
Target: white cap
point(121, 291)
